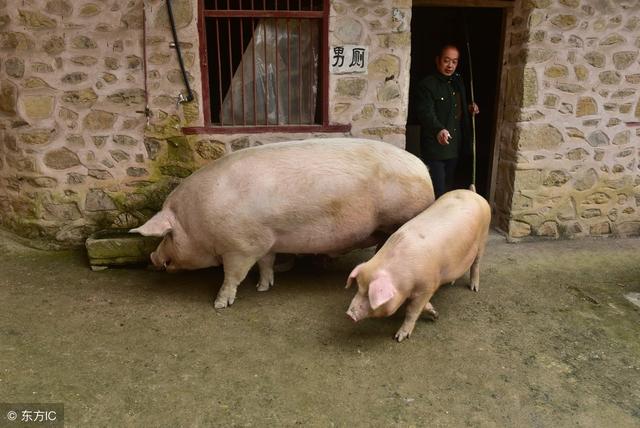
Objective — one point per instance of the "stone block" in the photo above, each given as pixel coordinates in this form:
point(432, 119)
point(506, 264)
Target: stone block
point(385, 131)
point(622, 138)
point(90, 9)
point(572, 88)
point(86, 60)
point(530, 88)
point(61, 159)
point(595, 59)
point(519, 229)
point(182, 14)
point(210, 149)
point(623, 60)
point(603, 228)
point(57, 212)
point(127, 97)
point(116, 247)
point(37, 137)
point(628, 228)
point(36, 20)
point(38, 107)
point(565, 22)
point(83, 98)
point(59, 7)
point(99, 120)
point(98, 200)
point(577, 154)
point(132, 17)
point(41, 67)
point(556, 71)
point(75, 77)
point(365, 114)
point(395, 40)
point(534, 137)
point(586, 180)
point(16, 41)
point(348, 30)
point(125, 140)
point(385, 65)
point(8, 97)
point(351, 87)
point(529, 179)
point(610, 77)
point(556, 178)
point(612, 40)
point(389, 91)
point(586, 106)
point(14, 67)
point(597, 139)
point(83, 42)
point(548, 229)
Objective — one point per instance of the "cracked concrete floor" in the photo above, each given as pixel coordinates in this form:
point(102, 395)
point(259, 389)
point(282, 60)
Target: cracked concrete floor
point(549, 340)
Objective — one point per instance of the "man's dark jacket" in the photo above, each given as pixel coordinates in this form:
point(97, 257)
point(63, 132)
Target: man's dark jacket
point(435, 109)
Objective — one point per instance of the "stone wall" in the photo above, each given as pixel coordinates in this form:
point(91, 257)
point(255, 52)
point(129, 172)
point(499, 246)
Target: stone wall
point(79, 154)
point(376, 103)
point(71, 82)
point(569, 164)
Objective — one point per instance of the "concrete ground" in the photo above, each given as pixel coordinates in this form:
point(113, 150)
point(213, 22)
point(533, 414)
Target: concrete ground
point(549, 341)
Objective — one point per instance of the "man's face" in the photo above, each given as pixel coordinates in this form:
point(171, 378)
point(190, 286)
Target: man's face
point(447, 62)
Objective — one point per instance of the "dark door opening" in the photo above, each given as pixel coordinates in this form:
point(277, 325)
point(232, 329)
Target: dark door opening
point(430, 28)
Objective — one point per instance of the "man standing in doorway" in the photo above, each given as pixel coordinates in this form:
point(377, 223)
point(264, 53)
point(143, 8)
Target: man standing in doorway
point(443, 112)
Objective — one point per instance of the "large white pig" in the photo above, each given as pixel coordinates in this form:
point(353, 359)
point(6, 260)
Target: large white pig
point(436, 247)
point(322, 196)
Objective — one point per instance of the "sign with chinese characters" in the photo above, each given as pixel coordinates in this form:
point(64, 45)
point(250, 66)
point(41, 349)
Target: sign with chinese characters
point(349, 59)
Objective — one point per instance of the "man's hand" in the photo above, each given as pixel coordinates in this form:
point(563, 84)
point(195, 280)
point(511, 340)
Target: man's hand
point(443, 137)
point(473, 108)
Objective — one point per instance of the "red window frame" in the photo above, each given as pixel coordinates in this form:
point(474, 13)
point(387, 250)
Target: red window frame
point(323, 79)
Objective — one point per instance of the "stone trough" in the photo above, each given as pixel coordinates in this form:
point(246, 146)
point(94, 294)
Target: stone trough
point(118, 247)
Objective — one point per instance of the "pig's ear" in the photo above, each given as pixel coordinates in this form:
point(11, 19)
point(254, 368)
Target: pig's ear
point(158, 225)
point(353, 275)
point(381, 290)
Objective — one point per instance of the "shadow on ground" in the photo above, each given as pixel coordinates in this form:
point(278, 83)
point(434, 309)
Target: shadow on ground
point(549, 340)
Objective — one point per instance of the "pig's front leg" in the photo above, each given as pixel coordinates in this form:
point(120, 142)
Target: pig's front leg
point(236, 267)
point(265, 266)
point(415, 307)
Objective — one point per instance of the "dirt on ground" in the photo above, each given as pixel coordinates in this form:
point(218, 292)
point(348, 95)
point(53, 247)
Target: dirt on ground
point(550, 340)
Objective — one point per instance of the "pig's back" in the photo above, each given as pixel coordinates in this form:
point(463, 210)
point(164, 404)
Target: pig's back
point(323, 190)
point(457, 218)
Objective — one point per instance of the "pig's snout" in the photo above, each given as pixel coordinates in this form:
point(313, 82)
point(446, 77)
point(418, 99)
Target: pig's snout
point(357, 313)
point(155, 261)
point(359, 308)
point(352, 316)
point(158, 263)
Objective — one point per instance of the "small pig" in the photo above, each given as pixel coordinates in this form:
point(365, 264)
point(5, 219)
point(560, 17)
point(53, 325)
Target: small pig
point(316, 196)
point(436, 247)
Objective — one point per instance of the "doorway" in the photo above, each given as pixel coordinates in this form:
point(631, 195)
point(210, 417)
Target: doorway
point(430, 28)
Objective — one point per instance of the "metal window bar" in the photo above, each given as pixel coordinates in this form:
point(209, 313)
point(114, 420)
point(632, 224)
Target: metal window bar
point(299, 71)
point(275, 5)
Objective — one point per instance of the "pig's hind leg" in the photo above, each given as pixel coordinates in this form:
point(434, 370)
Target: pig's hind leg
point(431, 311)
point(265, 266)
point(236, 267)
point(474, 274)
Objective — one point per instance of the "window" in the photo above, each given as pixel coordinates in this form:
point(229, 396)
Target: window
point(264, 65)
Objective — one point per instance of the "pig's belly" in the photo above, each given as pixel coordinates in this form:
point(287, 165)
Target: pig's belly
point(309, 240)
